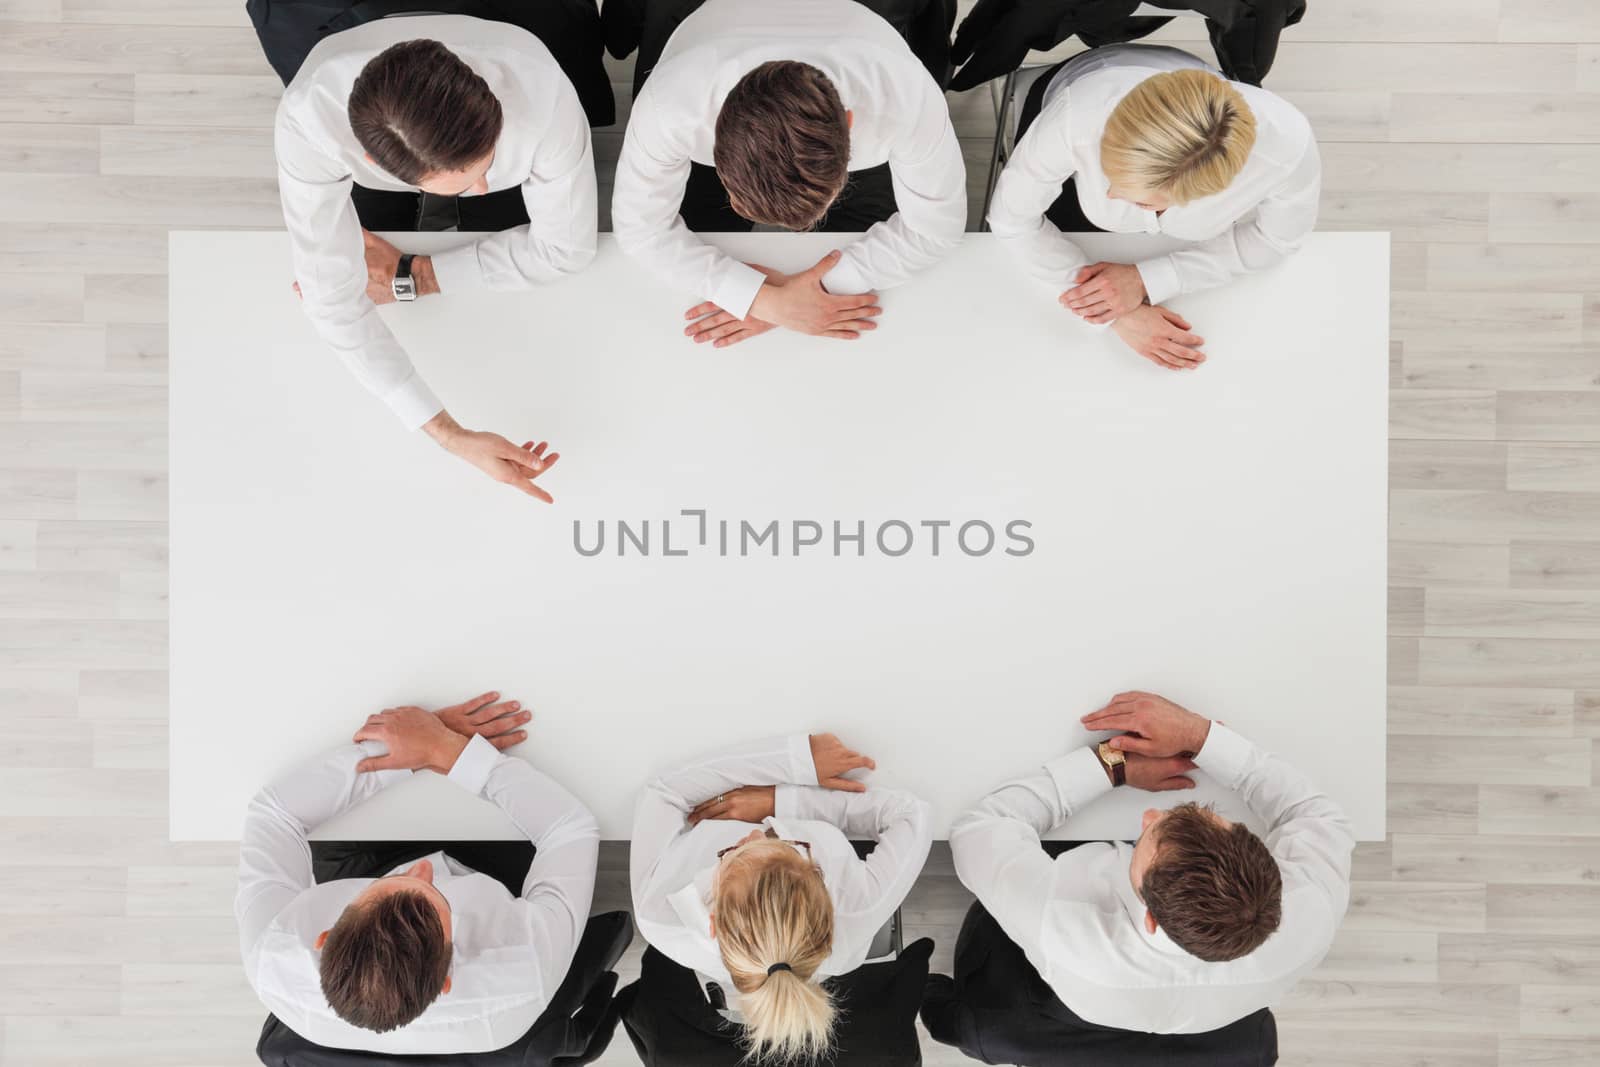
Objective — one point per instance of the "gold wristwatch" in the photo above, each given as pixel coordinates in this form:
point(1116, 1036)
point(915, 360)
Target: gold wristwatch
point(1114, 761)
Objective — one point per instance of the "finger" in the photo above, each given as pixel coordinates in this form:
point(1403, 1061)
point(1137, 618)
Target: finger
point(841, 335)
point(1142, 746)
point(1109, 720)
point(825, 264)
point(1186, 356)
point(728, 328)
point(845, 785)
point(1091, 271)
point(1188, 340)
point(845, 302)
point(1097, 307)
point(1161, 358)
point(701, 309)
point(377, 763)
point(472, 705)
point(1175, 318)
point(735, 337)
point(486, 712)
point(697, 330)
point(860, 762)
point(532, 490)
point(505, 741)
point(1166, 785)
point(504, 724)
point(857, 324)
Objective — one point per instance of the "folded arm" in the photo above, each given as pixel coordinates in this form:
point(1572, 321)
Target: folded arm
point(274, 850)
point(899, 822)
point(996, 845)
point(559, 887)
point(559, 193)
point(652, 173)
point(1043, 160)
point(1275, 229)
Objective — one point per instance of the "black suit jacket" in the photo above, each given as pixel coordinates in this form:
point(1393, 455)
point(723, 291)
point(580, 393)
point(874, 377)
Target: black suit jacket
point(995, 38)
point(672, 1025)
point(289, 29)
point(645, 25)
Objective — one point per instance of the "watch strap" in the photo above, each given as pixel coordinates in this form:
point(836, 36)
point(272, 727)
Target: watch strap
point(404, 269)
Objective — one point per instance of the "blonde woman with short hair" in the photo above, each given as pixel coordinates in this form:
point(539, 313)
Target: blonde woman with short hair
point(1150, 139)
point(743, 870)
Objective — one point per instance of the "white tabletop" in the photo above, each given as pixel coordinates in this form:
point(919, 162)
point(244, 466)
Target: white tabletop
point(1216, 535)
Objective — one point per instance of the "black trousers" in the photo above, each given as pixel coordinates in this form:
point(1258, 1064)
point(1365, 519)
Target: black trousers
point(998, 1009)
point(1066, 213)
point(868, 198)
point(383, 209)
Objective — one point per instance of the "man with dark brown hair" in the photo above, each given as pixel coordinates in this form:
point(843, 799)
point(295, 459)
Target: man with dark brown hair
point(1198, 924)
point(434, 956)
point(801, 114)
point(431, 122)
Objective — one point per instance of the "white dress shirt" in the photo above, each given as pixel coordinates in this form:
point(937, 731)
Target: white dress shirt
point(1081, 924)
point(899, 118)
point(509, 953)
point(1262, 216)
point(543, 148)
point(672, 865)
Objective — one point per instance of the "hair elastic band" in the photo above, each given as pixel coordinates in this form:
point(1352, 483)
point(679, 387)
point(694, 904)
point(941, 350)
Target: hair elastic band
point(776, 967)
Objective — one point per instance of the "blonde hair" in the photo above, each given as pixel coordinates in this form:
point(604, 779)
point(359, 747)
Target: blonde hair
point(772, 908)
point(1185, 133)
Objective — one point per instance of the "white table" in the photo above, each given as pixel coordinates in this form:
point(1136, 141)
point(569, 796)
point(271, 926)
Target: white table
point(1217, 535)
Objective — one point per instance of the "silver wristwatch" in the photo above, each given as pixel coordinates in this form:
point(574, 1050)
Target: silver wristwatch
point(403, 284)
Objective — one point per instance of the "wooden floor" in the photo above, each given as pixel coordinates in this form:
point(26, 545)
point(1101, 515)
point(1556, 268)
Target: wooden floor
point(1469, 128)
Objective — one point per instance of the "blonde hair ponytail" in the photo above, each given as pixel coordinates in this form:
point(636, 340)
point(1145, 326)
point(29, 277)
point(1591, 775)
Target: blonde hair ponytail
point(774, 923)
point(1185, 133)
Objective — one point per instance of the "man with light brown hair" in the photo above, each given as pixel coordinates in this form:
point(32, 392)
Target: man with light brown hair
point(800, 114)
point(1196, 925)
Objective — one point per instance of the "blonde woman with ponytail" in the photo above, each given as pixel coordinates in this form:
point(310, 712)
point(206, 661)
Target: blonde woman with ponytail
point(1150, 139)
point(742, 869)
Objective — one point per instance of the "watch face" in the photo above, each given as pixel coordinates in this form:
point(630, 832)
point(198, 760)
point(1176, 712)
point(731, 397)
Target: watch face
point(404, 289)
point(1112, 756)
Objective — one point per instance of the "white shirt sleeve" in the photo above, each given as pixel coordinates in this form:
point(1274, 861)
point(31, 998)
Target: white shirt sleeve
point(330, 264)
point(662, 813)
point(652, 173)
point(996, 846)
point(559, 887)
point(1031, 181)
point(930, 192)
point(1307, 832)
point(561, 236)
point(898, 821)
point(274, 852)
point(1275, 229)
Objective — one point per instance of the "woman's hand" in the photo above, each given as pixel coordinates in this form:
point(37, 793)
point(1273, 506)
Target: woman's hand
point(834, 761)
point(1104, 291)
point(1162, 337)
point(748, 803)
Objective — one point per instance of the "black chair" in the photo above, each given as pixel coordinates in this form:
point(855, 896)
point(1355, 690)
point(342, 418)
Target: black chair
point(672, 1024)
point(997, 1009)
point(289, 29)
point(575, 1027)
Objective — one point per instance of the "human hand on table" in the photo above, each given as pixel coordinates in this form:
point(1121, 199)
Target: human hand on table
point(1161, 336)
point(799, 302)
point(720, 327)
point(1151, 726)
point(748, 803)
point(1104, 291)
point(418, 739)
point(833, 761)
point(494, 455)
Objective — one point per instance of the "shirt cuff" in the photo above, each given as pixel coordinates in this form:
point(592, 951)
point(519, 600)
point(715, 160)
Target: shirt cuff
point(845, 278)
point(737, 289)
point(1080, 778)
point(413, 402)
point(1160, 277)
point(457, 270)
point(1225, 756)
point(472, 767)
point(802, 769)
point(786, 801)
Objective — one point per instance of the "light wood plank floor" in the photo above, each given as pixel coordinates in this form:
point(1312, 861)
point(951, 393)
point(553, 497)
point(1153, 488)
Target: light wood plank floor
point(1470, 128)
